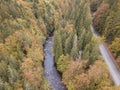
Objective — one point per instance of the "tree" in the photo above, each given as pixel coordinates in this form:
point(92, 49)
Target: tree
point(73, 75)
point(3, 70)
point(68, 44)
point(115, 47)
point(91, 52)
point(31, 73)
point(74, 51)
point(58, 50)
point(7, 86)
point(63, 62)
point(1, 84)
point(99, 79)
point(100, 17)
point(12, 75)
point(94, 4)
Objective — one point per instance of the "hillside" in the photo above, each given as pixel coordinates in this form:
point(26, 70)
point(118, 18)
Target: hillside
point(107, 24)
point(22, 36)
point(26, 24)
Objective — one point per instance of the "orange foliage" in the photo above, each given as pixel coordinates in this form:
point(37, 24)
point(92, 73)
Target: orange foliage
point(100, 12)
point(98, 66)
point(81, 81)
point(76, 77)
point(74, 73)
point(31, 72)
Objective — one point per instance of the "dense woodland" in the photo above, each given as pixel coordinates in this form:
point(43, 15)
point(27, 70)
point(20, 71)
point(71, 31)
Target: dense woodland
point(107, 23)
point(24, 27)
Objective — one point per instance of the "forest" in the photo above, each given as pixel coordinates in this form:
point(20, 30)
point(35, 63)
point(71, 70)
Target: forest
point(26, 24)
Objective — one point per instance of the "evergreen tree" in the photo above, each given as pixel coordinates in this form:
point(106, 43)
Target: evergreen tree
point(58, 51)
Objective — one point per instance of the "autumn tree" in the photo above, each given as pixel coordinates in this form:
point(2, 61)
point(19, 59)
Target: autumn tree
point(115, 47)
point(100, 17)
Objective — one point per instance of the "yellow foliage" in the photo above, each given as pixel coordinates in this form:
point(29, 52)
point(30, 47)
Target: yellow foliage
point(115, 47)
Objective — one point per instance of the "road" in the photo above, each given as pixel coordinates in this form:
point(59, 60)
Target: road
point(114, 72)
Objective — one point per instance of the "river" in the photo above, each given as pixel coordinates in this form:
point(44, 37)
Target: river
point(51, 73)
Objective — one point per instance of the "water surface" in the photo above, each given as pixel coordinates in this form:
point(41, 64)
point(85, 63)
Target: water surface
point(51, 73)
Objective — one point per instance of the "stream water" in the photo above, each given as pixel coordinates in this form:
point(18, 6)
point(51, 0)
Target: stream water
point(51, 73)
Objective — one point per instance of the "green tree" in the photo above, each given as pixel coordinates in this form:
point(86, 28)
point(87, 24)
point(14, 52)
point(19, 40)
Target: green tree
point(7, 86)
point(115, 47)
point(58, 51)
point(68, 43)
